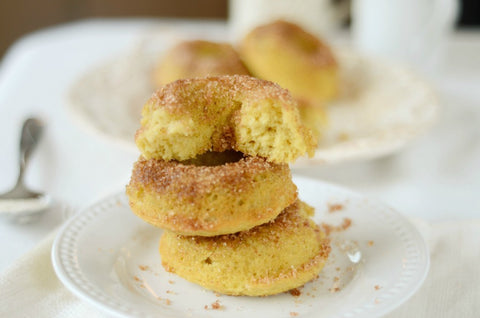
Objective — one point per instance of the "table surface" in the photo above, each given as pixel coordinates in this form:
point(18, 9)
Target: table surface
point(436, 178)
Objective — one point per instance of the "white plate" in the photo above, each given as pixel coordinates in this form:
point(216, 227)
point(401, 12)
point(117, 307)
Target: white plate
point(109, 258)
point(380, 109)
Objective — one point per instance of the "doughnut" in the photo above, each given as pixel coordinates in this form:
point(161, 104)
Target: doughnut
point(211, 195)
point(268, 259)
point(189, 117)
point(284, 53)
point(198, 58)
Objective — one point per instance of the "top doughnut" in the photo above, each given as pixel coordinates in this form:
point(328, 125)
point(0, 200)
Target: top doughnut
point(189, 117)
point(286, 54)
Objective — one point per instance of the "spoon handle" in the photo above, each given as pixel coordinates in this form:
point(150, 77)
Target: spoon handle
point(31, 132)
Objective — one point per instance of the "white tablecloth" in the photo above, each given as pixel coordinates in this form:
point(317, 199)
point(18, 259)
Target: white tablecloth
point(436, 178)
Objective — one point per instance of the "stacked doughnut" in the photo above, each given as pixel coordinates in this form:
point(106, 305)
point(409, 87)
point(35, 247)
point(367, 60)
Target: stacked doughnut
point(214, 175)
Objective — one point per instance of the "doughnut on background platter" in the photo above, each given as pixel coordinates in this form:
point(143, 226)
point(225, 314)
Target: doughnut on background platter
point(109, 258)
point(380, 109)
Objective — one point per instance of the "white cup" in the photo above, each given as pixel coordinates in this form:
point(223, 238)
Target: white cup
point(410, 31)
point(317, 16)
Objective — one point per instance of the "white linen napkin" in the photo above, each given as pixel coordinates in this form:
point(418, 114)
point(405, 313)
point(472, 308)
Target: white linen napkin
point(29, 288)
point(452, 287)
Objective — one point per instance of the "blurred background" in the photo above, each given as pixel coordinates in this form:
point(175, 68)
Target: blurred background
point(23, 16)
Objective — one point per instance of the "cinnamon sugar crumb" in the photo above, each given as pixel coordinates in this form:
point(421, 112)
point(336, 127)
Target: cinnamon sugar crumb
point(171, 292)
point(347, 222)
point(327, 228)
point(295, 292)
point(334, 289)
point(377, 287)
point(167, 301)
point(370, 243)
point(171, 282)
point(143, 267)
point(335, 207)
point(293, 314)
point(137, 279)
point(215, 306)
point(336, 279)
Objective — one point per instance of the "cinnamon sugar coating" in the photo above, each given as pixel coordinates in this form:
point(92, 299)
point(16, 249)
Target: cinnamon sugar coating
point(268, 259)
point(209, 200)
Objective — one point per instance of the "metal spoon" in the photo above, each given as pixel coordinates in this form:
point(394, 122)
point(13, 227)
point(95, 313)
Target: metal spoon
point(21, 203)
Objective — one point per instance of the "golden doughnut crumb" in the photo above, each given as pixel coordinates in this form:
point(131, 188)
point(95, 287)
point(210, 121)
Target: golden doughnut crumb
point(268, 259)
point(209, 200)
point(198, 58)
point(190, 117)
point(286, 54)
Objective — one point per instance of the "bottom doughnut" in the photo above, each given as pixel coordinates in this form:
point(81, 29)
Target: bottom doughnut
point(269, 259)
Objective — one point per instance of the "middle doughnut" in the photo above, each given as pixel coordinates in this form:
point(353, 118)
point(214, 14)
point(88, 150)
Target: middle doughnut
point(213, 194)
